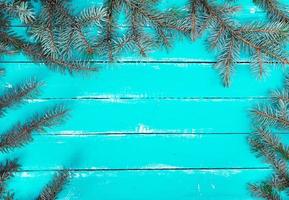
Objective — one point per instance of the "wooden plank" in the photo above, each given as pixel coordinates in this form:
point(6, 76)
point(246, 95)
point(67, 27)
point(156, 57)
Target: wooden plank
point(162, 80)
point(144, 185)
point(147, 115)
point(146, 151)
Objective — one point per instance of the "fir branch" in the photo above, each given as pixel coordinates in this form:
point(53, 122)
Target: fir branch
point(6, 172)
point(27, 89)
point(251, 38)
point(58, 30)
point(269, 116)
point(146, 27)
point(19, 9)
point(264, 190)
point(262, 141)
point(52, 190)
point(268, 146)
point(36, 53)
point(275, 10)
point(21, 134)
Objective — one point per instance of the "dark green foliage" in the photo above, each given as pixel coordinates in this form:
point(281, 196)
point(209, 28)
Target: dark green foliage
point(144, 27)
point(59, 31)
point(264, 42)
point(21, 134)
point(267, 118)
point(10, 43)
point(52, 190)
point(27, 89)
point(275, 10)
point(6, 172)
point(18, 9)
point(264, 190)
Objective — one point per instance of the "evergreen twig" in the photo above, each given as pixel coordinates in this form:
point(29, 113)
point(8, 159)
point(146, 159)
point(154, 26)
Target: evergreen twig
point(261, 41)
point(7, 170)
point(52, 190)
point(20, 134)
point(144, 27)
point(27, 89)
point(275, 10)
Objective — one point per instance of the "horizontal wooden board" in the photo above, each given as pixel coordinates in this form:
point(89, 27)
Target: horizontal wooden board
point(147, 151)
point(160, 80)
point(148, 115)
point(144, 185)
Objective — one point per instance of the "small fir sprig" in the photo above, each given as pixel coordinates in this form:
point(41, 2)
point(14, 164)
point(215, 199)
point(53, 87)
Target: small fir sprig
point(14, 95)
point(21, 134)
point(18, 9)
point(264, 42)
point(276, 11)
point(53, 189)
point(7, 170)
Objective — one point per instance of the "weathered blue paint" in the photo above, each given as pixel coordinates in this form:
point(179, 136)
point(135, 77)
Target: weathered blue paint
point(161, 127)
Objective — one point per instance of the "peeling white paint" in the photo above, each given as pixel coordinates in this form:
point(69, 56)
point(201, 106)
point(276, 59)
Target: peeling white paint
point(160, 166)
point(142, 128)
point(199, 188)
point(253, 10)
point(25, 174)
point(8, 85)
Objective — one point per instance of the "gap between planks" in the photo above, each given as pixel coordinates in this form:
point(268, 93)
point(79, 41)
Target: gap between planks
point(96, 98)
point(140, 62)
point(93, 134)
point(149, 169)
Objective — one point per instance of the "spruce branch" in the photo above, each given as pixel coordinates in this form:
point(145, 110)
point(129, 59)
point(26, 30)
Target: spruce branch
point(59, 31)
point(146, 27)
point(53, 189)
point(19, 9)
point(275, 10)
point(27, 89)
point(262, 141)
point(7, 170)
point(262, 42)
point(35, 51)
point(264, 190)
point(21, 134)
point(270, 116)
point(267, 145)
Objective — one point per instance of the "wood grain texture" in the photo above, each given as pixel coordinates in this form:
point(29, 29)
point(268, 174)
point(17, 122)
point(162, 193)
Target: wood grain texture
point(146, 151)
point(146, 80)
point(143, 185)
point(146, 115)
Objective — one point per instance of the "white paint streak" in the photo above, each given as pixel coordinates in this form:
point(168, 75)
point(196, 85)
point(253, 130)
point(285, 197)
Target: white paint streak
point(199, 188)
point(8, 85)
point(160, 166)
point(253, 10)
point(25, 174)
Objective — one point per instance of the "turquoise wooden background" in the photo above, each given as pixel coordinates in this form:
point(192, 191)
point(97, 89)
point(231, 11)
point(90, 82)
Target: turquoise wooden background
point(161, 127)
